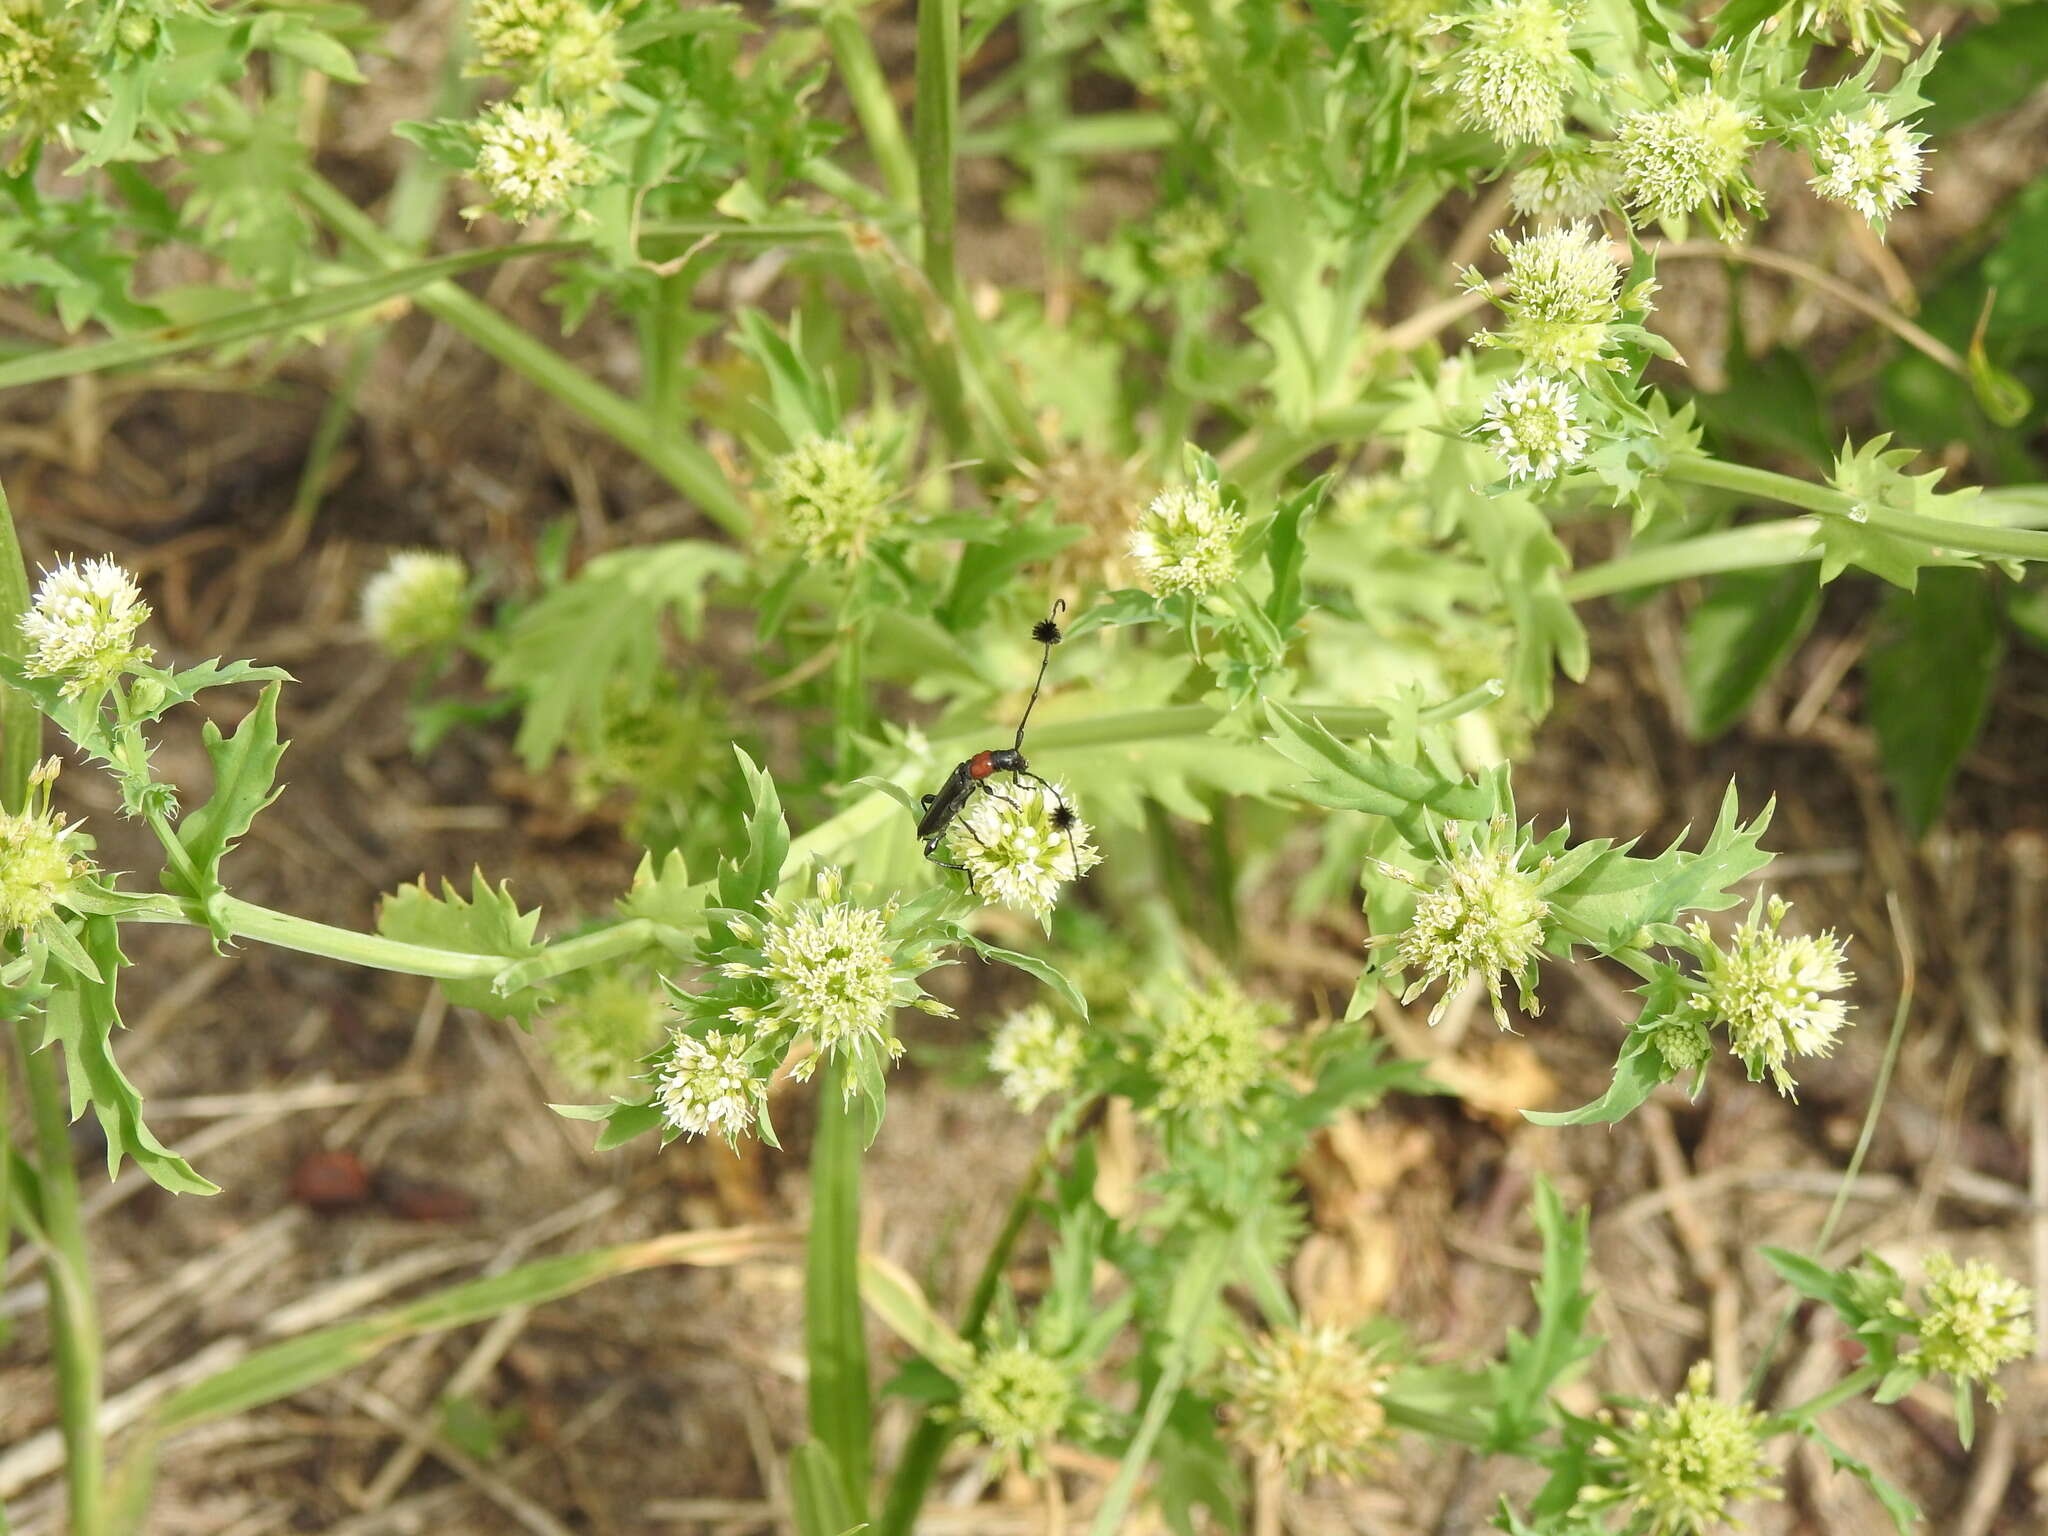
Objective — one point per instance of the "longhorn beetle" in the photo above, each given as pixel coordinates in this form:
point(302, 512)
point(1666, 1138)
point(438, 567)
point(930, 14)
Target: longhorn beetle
point(941, 809)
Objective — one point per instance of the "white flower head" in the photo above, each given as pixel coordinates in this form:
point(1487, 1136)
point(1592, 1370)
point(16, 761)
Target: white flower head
point(1768, 989)
point(1682, 1466)
point(1037, 1056)
point(1513, 75)
point(707, 1084)
point(1531, 423)
point(81, 626)
point(530, 161)
point(1977, 1320)
point(1186, 539)
point(833, 497)
point(419, 601)
point(1563, 296)
point(1020, 842)
point(1683, 157)
point(1868, 163)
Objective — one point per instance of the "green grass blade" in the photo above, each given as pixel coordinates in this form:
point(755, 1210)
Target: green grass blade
point(834, 1340)
point(267, 319)
point(283, 1369)
point(937, 130)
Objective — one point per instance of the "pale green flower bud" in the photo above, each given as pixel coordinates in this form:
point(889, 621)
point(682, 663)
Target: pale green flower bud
point(1867, 163)
point(1485, 918)
point(1037, 1056)
point(82, 625)
point(1512, 76)
point(1186, 540)
point(707, 1084)
point(599, 1033)
point(835, 973)
point(530, 161)
point(1768, 991)
point(572, 44)
point(1309, 1398)
point(833, 498)
point(1020, 844)
point(418, 602)
point(1531, 423)
point(1564, 187)
point(1210, 1050)
point(1561, 299)
point(1976, 1320)
point(46, 76)
point(1685, 1465)
point(37, 865)
point(1016, 1398)
point(1861, 24)
point(1684, 157)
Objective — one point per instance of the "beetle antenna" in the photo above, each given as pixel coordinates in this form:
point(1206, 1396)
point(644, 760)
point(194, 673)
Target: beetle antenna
point(1047, 633)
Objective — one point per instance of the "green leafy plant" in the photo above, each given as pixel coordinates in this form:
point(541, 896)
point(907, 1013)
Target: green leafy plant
point(1323, 573)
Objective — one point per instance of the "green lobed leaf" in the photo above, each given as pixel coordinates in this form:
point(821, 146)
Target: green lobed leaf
point(599, 633)
point(744, 881)
point(1030, 965)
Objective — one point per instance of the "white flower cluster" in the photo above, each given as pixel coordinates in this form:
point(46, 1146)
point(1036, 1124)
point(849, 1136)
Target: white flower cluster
point(1036, 1055)
point(1020, 843)
point(1532, 424)
point(1868, 163)
point(419, 601)
point(81, 626)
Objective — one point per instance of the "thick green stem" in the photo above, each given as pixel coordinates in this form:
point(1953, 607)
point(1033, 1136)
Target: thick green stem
point(74, 1321)
point(74, 1318)
point(835, 1337)
point(1947, 533)
point(861, 72)
point(937, 126)
point(666, 450)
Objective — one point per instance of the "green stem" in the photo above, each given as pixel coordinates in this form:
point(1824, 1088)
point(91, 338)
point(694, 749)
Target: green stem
point(835, 1337)
point(1852, 1385)
point(937, 126)
point(868, 87)
point(927, 1443)
point(664, 448)
point(74, 1322)
point(1945, 532)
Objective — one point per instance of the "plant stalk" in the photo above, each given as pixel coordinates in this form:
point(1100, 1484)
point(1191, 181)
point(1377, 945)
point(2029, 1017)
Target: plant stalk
point(74, 1320)
point(835, 1336)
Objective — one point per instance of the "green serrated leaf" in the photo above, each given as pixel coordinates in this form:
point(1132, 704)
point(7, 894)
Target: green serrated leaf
point(1905, 1516)
point(487, 922)
point(82, 1016)
point(244, 776)
point(1536, 1365)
